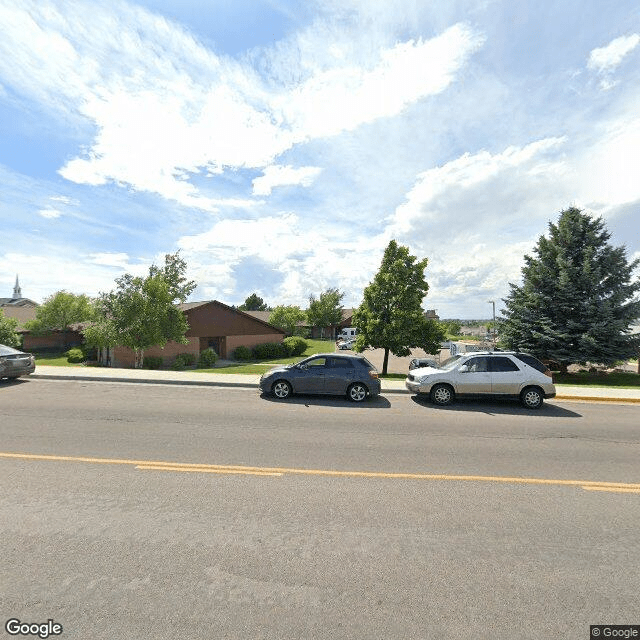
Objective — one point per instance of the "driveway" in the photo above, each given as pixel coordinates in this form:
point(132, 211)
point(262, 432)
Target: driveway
point(396, 364)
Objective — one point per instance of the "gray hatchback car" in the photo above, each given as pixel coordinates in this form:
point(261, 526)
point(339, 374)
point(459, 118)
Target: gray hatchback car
point(324, 373)
point(14, 363)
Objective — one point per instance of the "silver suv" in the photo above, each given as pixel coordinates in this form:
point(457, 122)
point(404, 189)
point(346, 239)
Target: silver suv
point(485, 373)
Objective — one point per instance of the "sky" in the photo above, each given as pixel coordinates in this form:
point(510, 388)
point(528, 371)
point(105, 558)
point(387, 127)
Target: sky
point(280, 145)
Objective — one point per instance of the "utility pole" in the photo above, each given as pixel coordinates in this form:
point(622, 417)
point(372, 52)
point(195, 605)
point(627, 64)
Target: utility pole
point(493, 302)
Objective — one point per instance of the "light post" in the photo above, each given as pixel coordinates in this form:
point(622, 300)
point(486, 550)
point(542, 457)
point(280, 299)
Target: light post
point(492, 302)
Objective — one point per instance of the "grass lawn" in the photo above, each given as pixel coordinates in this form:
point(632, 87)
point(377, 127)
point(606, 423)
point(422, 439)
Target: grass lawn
point(256, 367)
point(54, 359)
point(627, 380)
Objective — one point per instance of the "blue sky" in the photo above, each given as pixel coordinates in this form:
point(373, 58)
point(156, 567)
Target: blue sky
point(281, 145)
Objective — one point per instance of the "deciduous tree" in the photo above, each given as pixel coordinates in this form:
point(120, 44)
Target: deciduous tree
point(143, 312)
point(391, 315)
point(287, 318)
point(326, 311)
point(8, 335)
point(59, 311)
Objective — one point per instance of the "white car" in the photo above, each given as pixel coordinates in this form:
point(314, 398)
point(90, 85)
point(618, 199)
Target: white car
point(487, 373)
point(346, 344)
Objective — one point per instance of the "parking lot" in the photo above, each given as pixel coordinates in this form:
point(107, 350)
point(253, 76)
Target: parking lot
point(397, 364)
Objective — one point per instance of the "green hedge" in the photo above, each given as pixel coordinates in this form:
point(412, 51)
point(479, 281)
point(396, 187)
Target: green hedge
point(183, 360)
point(295, 345)
point(207, 358)
point(242, 353)
point(75, 355)
point(270, 350)
point(152, 362)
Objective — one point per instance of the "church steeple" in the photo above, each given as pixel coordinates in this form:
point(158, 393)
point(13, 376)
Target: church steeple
point(17, 292)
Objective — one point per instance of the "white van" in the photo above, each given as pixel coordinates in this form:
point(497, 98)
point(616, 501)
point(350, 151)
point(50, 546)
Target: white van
point(348, 333)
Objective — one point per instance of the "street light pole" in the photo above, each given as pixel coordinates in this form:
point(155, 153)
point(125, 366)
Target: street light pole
point(493, 302)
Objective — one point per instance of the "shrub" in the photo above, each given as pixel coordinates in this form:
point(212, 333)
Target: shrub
point(270, 350)
point(242, 353)
point(152, 362)
point(90, 353)
point(207, 358)
point(295, 345)
point(189, 359)
point(75, 355)
point(183, 360)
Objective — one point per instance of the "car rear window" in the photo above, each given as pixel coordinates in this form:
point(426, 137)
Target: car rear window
point(365, 363)
point(531, 361)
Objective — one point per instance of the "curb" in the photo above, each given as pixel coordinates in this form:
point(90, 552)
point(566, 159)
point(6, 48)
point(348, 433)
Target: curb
point(252, 385)
point(194, 383)
point(598, 399)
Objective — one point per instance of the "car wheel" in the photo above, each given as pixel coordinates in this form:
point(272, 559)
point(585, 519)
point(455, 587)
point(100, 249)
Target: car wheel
point(442, 394)
point(531, 398)
point(281, 389)
point(357, 392)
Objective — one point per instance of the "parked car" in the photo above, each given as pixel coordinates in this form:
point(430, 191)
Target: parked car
point(418, 363)
point(324, 373)
point(346, 344)
point(488, 373)
point(14, 363)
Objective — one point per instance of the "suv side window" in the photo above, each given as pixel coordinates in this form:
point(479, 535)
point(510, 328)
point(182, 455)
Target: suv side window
point(477, 365)
point(501, 363)
point(531, 361)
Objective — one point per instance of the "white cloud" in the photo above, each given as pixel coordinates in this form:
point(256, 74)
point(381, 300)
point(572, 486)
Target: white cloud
point(165, 107)
point(120, 260)
point(306, 261)
point(344, 97)
point(279, 176)
point(50, 213)
point(458, 190)
point(608, 171)
point(44, 274)
point(605, 59)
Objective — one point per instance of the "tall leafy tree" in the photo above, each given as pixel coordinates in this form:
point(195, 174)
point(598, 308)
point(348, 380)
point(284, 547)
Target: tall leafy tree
point(254, 303)
point(577, 299)
point(287, 318)
point(60, 310)
point(326, 311)
point(8, 334)
point(391, 316)
point(143, 312)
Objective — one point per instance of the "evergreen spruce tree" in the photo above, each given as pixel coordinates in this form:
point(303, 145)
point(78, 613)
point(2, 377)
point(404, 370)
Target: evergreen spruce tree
point(391, 316)
point(577, 299)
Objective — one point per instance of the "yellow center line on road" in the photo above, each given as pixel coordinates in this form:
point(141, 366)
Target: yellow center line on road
point(592, 485)
point(204, 470)
point(613, 489)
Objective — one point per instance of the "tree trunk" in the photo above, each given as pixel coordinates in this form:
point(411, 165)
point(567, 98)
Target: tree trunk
point(385, 362)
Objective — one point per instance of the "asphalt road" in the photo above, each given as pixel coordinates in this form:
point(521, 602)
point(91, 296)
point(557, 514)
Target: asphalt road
point(133, 511)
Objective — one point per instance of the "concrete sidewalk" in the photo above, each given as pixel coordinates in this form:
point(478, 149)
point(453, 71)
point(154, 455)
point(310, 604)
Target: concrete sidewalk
point(103, 374)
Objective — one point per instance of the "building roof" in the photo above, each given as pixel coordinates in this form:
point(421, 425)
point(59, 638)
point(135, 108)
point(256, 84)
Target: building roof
point(21, 313)
point(188, 306)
